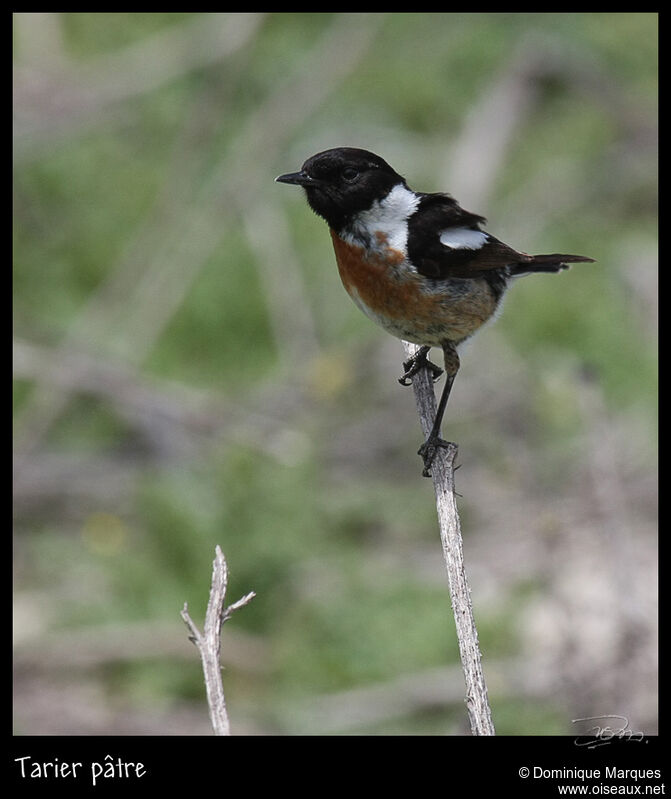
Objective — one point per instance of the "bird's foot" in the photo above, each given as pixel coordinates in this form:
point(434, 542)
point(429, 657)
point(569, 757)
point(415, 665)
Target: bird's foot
point(417, 362)
point(428, 452)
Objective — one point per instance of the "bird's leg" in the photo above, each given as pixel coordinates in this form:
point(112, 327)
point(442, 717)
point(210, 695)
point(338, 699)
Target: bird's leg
point(417, 362)
point(434, 441)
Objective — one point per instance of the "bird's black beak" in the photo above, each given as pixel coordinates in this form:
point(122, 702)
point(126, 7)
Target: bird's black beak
point(296, 178)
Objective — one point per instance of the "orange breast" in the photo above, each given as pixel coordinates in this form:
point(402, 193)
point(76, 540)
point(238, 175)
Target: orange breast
point(381, 283)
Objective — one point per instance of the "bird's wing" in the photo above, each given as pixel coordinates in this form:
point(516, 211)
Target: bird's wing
point(446, 241)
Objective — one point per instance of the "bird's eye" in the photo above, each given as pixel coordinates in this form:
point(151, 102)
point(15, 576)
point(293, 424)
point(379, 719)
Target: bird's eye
point(350, 173)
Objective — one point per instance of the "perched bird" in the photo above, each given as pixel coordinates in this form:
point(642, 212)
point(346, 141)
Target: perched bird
point(416, 263)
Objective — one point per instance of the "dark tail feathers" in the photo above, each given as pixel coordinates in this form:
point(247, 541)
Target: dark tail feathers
point(546, 263)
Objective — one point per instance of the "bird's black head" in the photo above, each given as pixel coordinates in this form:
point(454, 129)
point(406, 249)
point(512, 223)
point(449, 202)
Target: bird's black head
point(340, 183)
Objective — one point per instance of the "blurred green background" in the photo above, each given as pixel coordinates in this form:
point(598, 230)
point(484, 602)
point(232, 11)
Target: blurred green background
point(190, 372)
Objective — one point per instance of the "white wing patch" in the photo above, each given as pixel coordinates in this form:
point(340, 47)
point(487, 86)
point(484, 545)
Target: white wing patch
point(463, 238)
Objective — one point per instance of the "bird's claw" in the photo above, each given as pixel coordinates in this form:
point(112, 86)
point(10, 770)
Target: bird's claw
point(414, 364)
point(428, 452)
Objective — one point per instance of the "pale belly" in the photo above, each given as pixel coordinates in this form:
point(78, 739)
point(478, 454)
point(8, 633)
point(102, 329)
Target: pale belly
point(409, 306)
point(458, 311)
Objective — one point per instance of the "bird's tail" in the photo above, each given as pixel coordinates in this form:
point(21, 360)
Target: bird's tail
point(546, 263)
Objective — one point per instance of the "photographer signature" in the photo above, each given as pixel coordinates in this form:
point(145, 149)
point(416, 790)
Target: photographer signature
point(609, 726)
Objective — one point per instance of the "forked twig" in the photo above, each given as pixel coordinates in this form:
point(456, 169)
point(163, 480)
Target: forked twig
point(209, 641)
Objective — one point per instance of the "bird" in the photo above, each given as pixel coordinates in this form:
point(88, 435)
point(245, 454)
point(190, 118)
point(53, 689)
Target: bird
point(416, 263)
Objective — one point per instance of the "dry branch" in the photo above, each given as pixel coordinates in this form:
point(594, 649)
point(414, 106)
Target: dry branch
point(209, 641)
point(442, 472)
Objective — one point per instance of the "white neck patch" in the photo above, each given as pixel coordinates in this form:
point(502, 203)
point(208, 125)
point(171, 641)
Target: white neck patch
point(386, 219)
